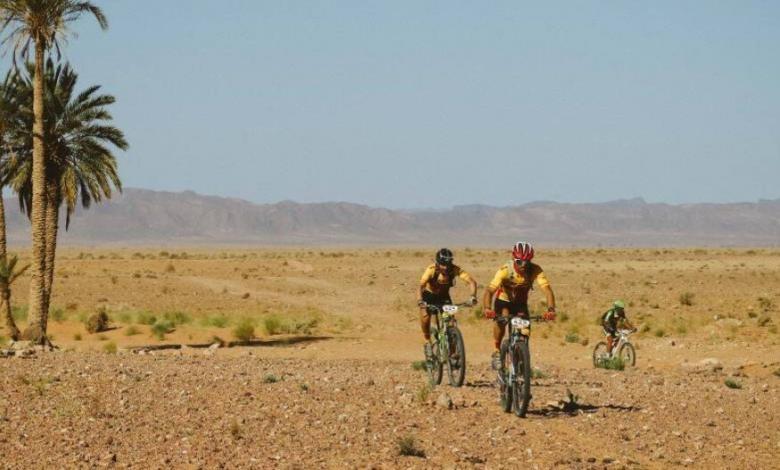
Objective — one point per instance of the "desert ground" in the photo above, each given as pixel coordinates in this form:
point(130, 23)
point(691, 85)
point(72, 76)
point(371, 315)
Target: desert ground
point(329, 378)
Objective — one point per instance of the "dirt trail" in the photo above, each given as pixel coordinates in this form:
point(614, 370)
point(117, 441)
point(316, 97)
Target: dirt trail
point(187, 409)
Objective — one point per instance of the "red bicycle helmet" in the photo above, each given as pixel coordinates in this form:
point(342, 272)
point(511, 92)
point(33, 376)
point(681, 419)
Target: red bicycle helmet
point(523, 251)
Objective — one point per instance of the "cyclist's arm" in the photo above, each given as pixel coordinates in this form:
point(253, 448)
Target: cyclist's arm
point(548, 292)
point(544, 284)
point(472, 283)
point(424, 282)
point(490, 290)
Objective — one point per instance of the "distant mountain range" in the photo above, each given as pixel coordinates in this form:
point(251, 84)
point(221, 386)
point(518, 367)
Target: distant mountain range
point(140, 217)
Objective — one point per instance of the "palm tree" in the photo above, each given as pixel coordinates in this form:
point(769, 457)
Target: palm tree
point(9, 122)
point(81, 167)
point(42, 24)
point(9, 273)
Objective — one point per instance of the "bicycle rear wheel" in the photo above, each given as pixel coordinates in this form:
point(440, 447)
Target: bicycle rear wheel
point(504, 377)
point(456, 362)
point(521, 389)
point(600, 354)
point(628, 354)
point(434, 365)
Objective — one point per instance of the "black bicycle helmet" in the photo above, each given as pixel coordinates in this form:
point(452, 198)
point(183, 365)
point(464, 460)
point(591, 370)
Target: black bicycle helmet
point(444, 257)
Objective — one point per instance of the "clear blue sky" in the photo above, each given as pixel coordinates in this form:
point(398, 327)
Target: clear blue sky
point(432, 104)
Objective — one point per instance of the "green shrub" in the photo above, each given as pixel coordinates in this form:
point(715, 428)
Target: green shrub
point(766, 304)
point(177, 318)
point(131, 331)
point(563, 317)
point(407, 446)
point(161, 328)
point(614, 363)
point(19, 312)
point(145, 318)
point(218, 321)
point(686, 298)
point(537, 373)
point(97, 322)
point(57, 315)
point(764, 320)
point(731, 383)
point(244, 330)
point(270, 379)
point(77, 337)
point(110, 347)
point(659, 333)
point(124, 316)
point(418, 365)
point(572, 337)
point(272, 325)
point(423, 393)
point(275, 325)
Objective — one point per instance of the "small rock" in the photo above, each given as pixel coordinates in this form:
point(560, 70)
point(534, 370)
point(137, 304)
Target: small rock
point(444, 401)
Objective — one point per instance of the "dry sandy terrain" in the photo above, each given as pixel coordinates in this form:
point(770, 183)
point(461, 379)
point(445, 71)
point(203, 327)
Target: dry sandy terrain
point(331, 384)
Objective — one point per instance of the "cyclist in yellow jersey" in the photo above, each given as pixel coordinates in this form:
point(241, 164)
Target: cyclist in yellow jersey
point(434, 289)
point(510, 286)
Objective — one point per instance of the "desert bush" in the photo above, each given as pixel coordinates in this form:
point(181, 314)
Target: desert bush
point(19, 312)
point(131, 331)
point(764, 320)
point(275, 325)
point(145, 318)
point(407, 446)
point(97, 322)
point(244, 330)
point(572, 337)
point(418, 365)
point(177, 318)
point(161, 328)
point(170, 268)
point(110, 347)
point(659, 333)
point(423, 393)
point(732, 383)
point(270, 379)
point(686, 298)
point(57, 315)
point(218, 321)
point(77, 337)
point(537, 373)
point(766, 304)
point(614, 363)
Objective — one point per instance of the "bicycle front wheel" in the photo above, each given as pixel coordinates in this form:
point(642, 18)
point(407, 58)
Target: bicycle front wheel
point(628, 354)
point(456, 362)
point(505, 380)
point(433, 364)
point(521, 389)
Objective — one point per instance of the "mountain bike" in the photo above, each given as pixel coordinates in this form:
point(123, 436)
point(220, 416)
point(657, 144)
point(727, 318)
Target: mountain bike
point(446, 345)
point(622, 349)
point(514, 375)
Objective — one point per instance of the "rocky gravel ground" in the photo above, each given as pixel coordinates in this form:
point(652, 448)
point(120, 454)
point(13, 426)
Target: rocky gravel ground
point(196, 410)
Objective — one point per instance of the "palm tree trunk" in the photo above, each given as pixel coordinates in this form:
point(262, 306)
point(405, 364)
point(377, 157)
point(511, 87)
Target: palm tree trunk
point(52, 227)
point(36, 331)
point(5, 291)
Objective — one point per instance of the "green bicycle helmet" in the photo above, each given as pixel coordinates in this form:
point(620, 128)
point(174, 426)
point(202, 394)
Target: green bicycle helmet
point(619, 304)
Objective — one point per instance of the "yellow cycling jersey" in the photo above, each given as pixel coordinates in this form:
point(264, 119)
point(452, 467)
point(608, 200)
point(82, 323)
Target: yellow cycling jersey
point(439, 283)
point(514, 286)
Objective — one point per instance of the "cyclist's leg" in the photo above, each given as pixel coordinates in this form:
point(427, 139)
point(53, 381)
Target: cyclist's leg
point(503, 312)
point(425, 324)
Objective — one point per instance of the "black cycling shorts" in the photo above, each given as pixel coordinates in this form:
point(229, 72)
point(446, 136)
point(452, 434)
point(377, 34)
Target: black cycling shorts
point(609, 330)
point(438, 300)
point(515, 308)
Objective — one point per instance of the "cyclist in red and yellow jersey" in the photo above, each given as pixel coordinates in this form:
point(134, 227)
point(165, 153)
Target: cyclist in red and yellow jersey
point(511, 285)
point(435, 285)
